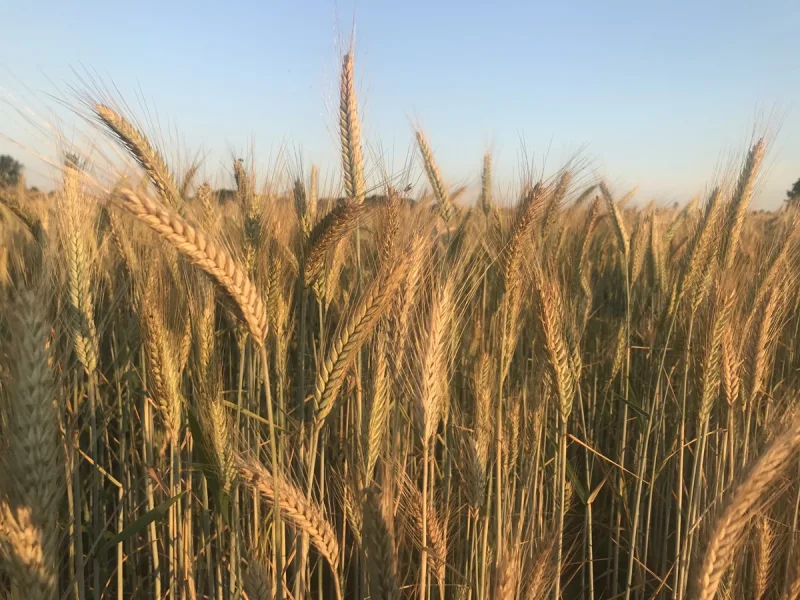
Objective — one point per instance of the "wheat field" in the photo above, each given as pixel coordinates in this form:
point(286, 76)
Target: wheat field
point(287, 393)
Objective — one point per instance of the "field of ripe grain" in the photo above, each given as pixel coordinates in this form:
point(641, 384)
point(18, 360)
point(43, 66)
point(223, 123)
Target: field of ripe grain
point(284, 393)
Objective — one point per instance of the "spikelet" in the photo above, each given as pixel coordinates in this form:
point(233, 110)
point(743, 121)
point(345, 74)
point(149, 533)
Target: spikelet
point(188, 180)
point(528, 213)
point(313, 194)
point(164, 377)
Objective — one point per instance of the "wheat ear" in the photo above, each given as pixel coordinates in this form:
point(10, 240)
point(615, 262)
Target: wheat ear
point(435, 177)
point(356, 330)
point(29, 514)
point(617, 221)
point(194, 244)
point(350, 134)
point(740, 201)
point(296, 509)
point(727, 531)
point(148, 157)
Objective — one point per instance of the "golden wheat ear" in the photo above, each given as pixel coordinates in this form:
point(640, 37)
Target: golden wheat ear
point(200, 251)
point(143, 152)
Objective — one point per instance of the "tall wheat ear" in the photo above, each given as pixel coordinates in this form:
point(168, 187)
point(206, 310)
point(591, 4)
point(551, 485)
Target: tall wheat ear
point(750, 494)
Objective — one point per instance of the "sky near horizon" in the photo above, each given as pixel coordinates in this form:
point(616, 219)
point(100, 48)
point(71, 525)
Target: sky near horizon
point(655, 94)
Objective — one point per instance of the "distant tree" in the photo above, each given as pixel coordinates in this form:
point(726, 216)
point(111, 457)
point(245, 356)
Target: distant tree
point(793, 195)
point(10, 170)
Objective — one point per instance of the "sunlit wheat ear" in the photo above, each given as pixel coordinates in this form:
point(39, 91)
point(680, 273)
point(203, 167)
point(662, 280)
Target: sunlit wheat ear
point(391, 212)
point(164, 379)
point(509, 573)
point(32, 463)
point(434, 177)
point(295, 508)
point(712, 359)
point(552, 318)
point(750, 494)
point(216, 263)
point(76, 235)
point(217, 432)
point(638, 246)
point(483, 426)
point(350, 135)
point(411, 504)
point(539, 570)
point(434, 359)
point(554, 203)
point(740, 201)
point(617, 221)
point(354, 332)
point(313, 194)
point(301, 207)
point(528, 212)
point(592, 217)
point(148, 157)
point(702, 246)
point(187, 181)
point(764, 555)
point(327, 233)
point(378, 419)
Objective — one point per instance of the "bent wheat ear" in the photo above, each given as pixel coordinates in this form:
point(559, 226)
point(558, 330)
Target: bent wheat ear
point(295, 508)
point(194, 244)
point(435, 177)
point(334, 227)
point(726, 534)
point(148, 157)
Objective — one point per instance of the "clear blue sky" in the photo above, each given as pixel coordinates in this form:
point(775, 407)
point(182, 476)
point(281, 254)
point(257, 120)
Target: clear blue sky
point(657, 94)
